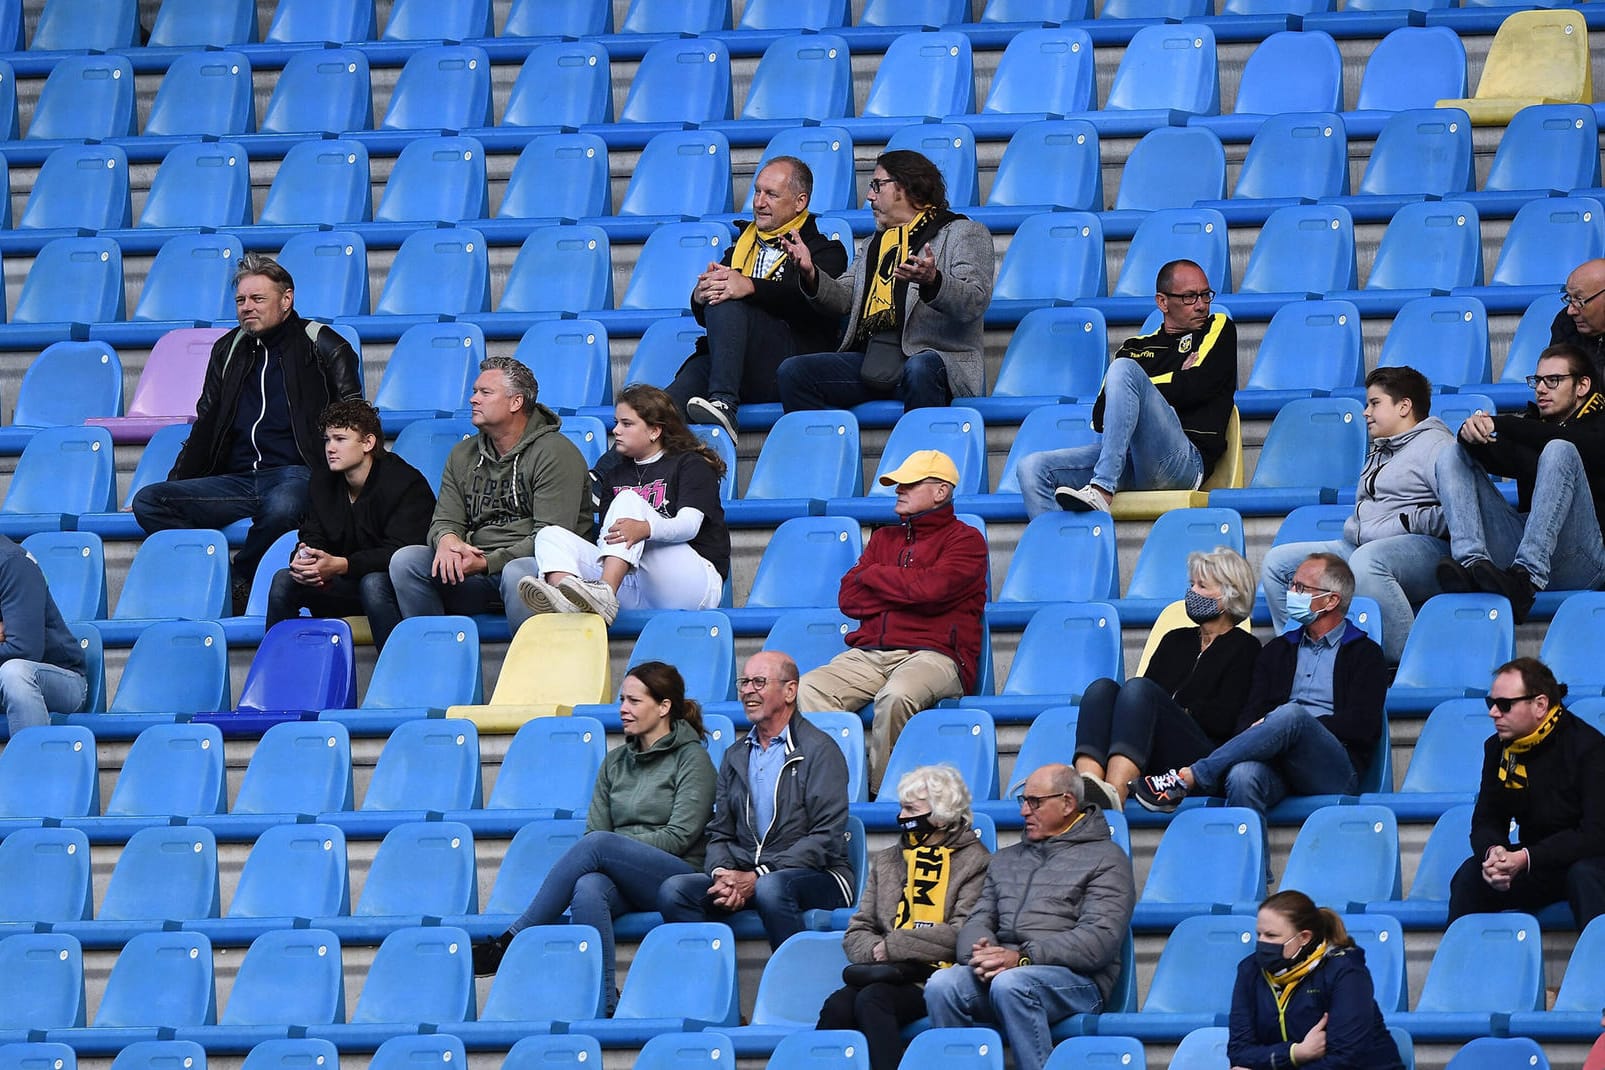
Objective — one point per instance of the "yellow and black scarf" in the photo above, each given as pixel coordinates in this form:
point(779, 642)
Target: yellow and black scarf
point(1283, 982)
point(890, 248)
point(744, 257)
point(1512, 769)
point(924, 901)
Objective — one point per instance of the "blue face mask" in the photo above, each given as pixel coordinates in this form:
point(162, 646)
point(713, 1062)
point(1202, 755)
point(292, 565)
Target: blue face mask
point(1200, 609)
point(1299, 608)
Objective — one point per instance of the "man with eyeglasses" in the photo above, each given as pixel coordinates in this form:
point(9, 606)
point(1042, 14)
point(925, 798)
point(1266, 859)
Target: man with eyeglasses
point(1313, 717)
point(777, 843)
point(913, 299)
point(1163, 410)
point(1044, 939)
point(1543, 769)
point(917, 593)
point(1581, 320)
point(1555, 451)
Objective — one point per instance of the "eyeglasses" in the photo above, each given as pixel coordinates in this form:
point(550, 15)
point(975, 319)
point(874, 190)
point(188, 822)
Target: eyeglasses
point(1034, 802)
point(1551, 382)
point(875, 184)
point(1190, 299)
point(1573, 301)
point(757, 683)
point(1505, 704)
point(1304, 588)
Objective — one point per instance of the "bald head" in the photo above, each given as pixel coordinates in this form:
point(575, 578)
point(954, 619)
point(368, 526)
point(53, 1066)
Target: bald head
point(767, 690)
point(1584, 285)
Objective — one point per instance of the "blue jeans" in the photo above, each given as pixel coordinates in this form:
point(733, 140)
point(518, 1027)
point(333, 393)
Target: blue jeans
point(31, 690)
point(1143, 447)
point(831, 381)
point(418, 594)
point(780, 899)
point(371, 595)
point(1398, 571)
point(1290, 752)
point(1557, 543)
point(275, 499)
point(1024, 1002)
point(602, 875)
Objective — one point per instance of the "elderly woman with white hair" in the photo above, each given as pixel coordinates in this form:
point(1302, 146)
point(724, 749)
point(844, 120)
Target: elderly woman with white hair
point(917, 895)
point(1188, 700)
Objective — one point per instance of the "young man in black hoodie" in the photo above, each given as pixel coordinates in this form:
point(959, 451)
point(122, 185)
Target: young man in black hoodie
point(364, 505)
point(1556, 453)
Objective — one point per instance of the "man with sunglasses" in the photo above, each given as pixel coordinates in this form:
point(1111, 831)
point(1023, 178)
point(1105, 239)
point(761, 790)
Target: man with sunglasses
point(1581, 319)
point(1163, 410)
point(1544, 770)
point(1555, 450)
point(1044, 939)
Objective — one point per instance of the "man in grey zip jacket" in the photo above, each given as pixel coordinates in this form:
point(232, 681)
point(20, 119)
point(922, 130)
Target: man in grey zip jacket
point(777, 843)
point(1397, 533)
point(1044, 940)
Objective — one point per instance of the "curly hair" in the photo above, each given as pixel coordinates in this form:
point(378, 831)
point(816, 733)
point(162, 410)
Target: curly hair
point(357, 415)
point(943, 788)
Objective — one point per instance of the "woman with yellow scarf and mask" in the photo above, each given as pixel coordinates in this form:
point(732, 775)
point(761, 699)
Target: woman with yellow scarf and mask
point(1304, 997)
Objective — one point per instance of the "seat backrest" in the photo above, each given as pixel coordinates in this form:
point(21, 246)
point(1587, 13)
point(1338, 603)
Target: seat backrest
point(828, 152)
point(700, 642)
point(85, 97)
point(923, 74)
point(181, 573)
point(1296, 154)
point(86, 25)
point(551, 763)
point(812, 636)
point(425, 444)
point(1196, 234)
point(683, 970)
point(421, 20)
point(1051, 731)
point(74, 279)
point(204, 94)
point(563, 269)
point(530, 856)
point(1055, 351)
point(1429, 244)
point(1441, 857)
point(974, 1048)
point(557, 659)
point(671, 255)
point(10, 123)
point(79, 186)
point(963, 738)
point(1046, 427)
point(42, 978)
point(192, 278)
point(49, 771)
point(203, 23)
point(421, 867)
point(804, 561)
point(681, 81)
point(444, 271)
point(294, 871)
point(200, 184)
point(847, 729)
point(321, 20)
point(1423, 150)
point(1292, 71)
point(1211, 855)
point(805, 76)
point(74, 564)
point(428, 661)
point(1382, 939)
point(555, 968)
point(436, 179)
point(44, 874)
point(543, 1052)
point(173, 770)
point(570, 359)
point(1486, 963)
point(288, 977)
point(322, 91)
point(1045, 70)
point(1531, 338)
point(562, 175)
point(689, 17)
point(1547, 146)
point(1167, 67)
point(1312, 523)
point(1161, 568)
point(799, 974)
point(957, 431)
point(330, 269)
point(432, 367)
point(320, 182)
point(1313, 442)
point(1310, 345)
point(298, 767)
point(302, 664)
point(63, 470)
point(1346, 854)
point(663, 347)
point(1064, 648)
point(1447, 756)
point(442, 87)
point(1152, 180)
point(1303, 248)
point(1567, 649)
point(1051, 162)
point(1054, 256)
point(428, 764)
point(423, 974)
point(810, 455)
point(1198, 964)
point(438, 1051)
point(1538, 55)
point(176, 666)
point(1547, 238)
point(794, 15)
point(1457, 641)
point(562, 82)
point(1414, 67)
point(1201, 1049)
point(1036, 571)
point(165, 873)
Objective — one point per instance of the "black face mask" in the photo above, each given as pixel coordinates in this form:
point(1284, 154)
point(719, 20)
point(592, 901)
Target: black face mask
point(916, 828)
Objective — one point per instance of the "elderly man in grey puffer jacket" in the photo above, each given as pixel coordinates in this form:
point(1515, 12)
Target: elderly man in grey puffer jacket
point(1044, 940)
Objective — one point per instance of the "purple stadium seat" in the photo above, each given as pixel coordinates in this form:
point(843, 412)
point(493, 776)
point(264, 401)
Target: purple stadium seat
point(168, 387)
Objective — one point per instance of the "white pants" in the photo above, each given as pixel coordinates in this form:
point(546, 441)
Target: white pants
point(661, 576)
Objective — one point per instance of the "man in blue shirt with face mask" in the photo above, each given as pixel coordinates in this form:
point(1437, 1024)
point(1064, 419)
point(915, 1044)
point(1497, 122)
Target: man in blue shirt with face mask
point(1314, 712)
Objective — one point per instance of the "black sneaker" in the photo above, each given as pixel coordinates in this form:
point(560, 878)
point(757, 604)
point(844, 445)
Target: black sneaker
point(239, 597)
point(1512, 582)
point(705, 411)
point(488, 954)
point(1161, 793)
point(1455, 578)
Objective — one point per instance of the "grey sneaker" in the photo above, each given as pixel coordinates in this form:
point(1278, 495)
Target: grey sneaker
point(593, 597)
point(542, 597)
point(1100, 791)
point(1087, 499)
point(704, 411)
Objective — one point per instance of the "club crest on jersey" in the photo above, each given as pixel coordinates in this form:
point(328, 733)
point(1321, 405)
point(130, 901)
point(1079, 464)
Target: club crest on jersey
point(1185, 346)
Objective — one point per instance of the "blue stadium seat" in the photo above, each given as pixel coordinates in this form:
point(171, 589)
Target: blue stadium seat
point(288, 979)
point(807, 457)
point(802, 566)
point(203, 23)
point(1310, 349)
point(436, 274)
point(811, 636)
point(1047, 164)
point(330, 269)
point(559, 270)
point(421, 20)
point(1302, 250)
point(1073, 1052)
point(530, 855)
point(699, 642)
point(1486, 964)
point(63, 386)
point(1289, 71)
point(48, 772)
point(429, 663)
point(1382, 940)
point(79, 188)
point(1445, 764)
point(423, 870)
point(676, 82)
point(10, 124)
point(1429, 248)
point(182, 574)
point(429, 374)
point(1491, 1053)
point(548, 772)
point(442, 87)
point(828, 152)
point(923, 13)
point(559, 84)
point(1209, 859)
point(551, 973)
point(976, 1048)
point(557, 176)
point(663, 348)
point(40, 1055)
point(1457, 641)
point(963, 738)
point(685, 1051)
point(1573, 1015)
point(1064, 648)
point(1548, 237)
point(203, 94)
point(86, 25)
point(1345, 857)
point(163, 875)
point(683, 976)
point(549, 1052)
point(74, 564)
point(921, 76)
point(85, 97)
point(1422, 152)
point(1196, 234)
point(1167, 9)
point(43, 983)
point(956, 430)
point(1201, 1049)
point(1294, 157)
point(308, 21)
point(297, 770)
point(1054, 258)
point(1412, 67)
point(793, 15)
point(660, 281)
point(199, 184)
point(551, 18)
point(426, 765)
point(951, 147)
point(190, 284)
point(679, 174)
point(176, 668)
point(323, 92)
point(1047, 427)
point(1546, 149)
point(847, 729)
point(589, 435)
point(799, 975)
point(420, 974)
point(172, 770)
point(1161, 568)
point(1054, 355)
point(1036, 10)
point(694, 17)
point(570, 360)
point(1037, 574)
point(1314, 449)
point(1192, 983)
point(1166, 73)
point(44, 878)
point(63, 471)
point(73, 282)
point(434, 180)
point(1151, 180)
point(295, 871)
point(821, 1049)
point(1567, 649)
point(424, 444)
point(1042, 72)
point(1510, 390)
point(160, 1055)
point(802, 78)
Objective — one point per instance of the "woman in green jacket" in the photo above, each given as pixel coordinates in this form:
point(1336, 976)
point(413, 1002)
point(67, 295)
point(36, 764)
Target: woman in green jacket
point(653, 798)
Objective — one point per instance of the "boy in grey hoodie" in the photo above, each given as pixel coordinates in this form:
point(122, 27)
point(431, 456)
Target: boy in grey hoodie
point(1397, 533)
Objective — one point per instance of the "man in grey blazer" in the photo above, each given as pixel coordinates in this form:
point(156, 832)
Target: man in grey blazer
point(913, 299)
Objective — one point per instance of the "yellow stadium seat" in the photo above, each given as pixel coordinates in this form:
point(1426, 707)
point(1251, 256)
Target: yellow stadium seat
point(1537, 57)
point(1149, 504)
point(556, 661)
point(1172, 617)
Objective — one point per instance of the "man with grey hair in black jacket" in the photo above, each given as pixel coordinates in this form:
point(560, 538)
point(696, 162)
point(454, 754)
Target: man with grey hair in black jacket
point(777, 843)
point(1043, 941)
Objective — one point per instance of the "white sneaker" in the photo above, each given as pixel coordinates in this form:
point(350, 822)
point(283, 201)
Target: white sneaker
point(542, 597)
point(593, 597)
point(1087, 499)
point(1100, 791)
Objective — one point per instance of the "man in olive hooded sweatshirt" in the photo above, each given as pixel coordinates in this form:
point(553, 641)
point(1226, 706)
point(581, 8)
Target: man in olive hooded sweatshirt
point(498, 489)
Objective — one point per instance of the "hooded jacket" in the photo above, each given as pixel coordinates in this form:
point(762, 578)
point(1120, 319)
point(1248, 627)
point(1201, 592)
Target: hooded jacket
point(1063, 901)
point(921, 586)
point(391, 511)
point(1339, 987)
point(876, 917)
point(1398, 492)
point(498, 502)
point(661, 796)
